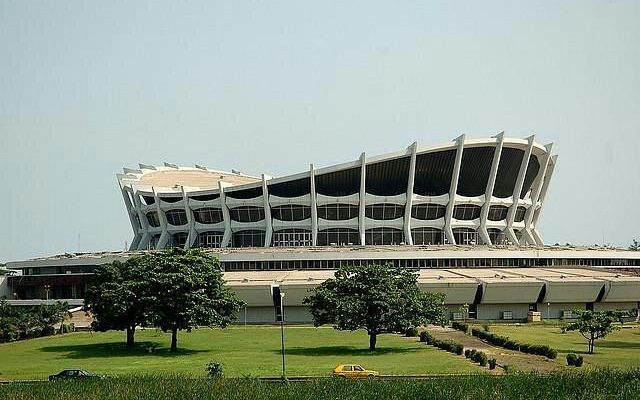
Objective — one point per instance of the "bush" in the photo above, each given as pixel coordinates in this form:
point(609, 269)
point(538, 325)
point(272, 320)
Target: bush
point(579, 361)
point(480, 357)
point(426, 337)
point(460, 326)
point(574, 360)
point(411, 332)
point(492, 363)
point(214, 369)
point(485, 327)
point(467, 353)
point(503, 341)
point(447, 345)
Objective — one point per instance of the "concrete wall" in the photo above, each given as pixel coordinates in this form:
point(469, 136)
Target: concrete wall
point(555, 310)
point(615, 306)
point(266, 315)
point(494, 311)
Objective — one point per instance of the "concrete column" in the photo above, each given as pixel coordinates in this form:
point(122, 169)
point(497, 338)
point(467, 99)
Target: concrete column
point(193, 235)
point(541, 199)
point(314, 206)
point(226, 238)
point(137, 236)
point(488, 194)
point(516, 191)
point(409, 194)
point(535, 195)
point(268, 232)
point(144, 241)
point(448, 230)
point(363, 195)
point(164, 236)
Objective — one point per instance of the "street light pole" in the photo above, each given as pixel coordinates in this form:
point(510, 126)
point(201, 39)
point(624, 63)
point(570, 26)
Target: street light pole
point(282, 333)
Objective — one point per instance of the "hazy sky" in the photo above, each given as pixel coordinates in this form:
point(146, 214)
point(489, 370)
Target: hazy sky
point(89, 87)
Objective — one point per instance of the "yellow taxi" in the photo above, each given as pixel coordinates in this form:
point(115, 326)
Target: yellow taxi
point(354, 371)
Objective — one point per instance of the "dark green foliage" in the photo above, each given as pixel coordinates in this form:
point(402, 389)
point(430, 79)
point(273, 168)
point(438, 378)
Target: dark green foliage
point(503, 341)
point(574, 360)
point(377, 298)
point(467, 353)
point(447, 345)
point(635, 245)
point(485, 327)
point(460, 326)
point(214, 369)
point(594, 325)
point(411, 332)
point(426, 337)
point(480, 357)
point(20, 322)
point(579, 361)
point(492, 363)
point(596, 384)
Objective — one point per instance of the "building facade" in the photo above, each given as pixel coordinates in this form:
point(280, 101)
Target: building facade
point(469, 191)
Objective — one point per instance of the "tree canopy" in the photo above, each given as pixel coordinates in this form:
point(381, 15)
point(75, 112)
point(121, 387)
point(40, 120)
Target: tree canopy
point(173, 290)
point(377, 298)
point(594, 325)
point(635, 245)
point(24, 322)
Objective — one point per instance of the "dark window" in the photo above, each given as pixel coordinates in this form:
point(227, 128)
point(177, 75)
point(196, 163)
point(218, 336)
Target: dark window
point(208, 215)
point(178, 239)
point(291, 212)
point(339, 183)
point(337, 211)
point(383, 236)
point(176, 217)
point(388, 178)
point(474, 170)
point(508, 169)
point(497, 213)
point(428, 211)
point(466, 212)
point(210, 239)
point(497, 236)
point(205, 197)
point(384, 211)
point(465, 236)
point(171, 199)
point(532, 171)
point(245, 194)
point(248, 238)
point(247, 214)
point(427, 236)
point(338, 236)
point(148, 200)
point(292, 238)
point(520, 211)
point(296, 188)
point(152, 217)
point(433, 173)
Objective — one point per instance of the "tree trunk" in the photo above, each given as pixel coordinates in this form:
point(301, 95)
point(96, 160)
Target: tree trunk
point(174, 339)
point(372, 341)
point(131, 331)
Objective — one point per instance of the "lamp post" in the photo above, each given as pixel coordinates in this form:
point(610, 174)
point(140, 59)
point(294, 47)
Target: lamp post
point(282, 333)
point(46, 290)
point(548, 311)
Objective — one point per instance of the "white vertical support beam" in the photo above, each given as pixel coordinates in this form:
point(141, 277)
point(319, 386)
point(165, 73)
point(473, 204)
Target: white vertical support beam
point(137, 236)
point(541, 199)
point(268, 232)
point(488, 194)
point(517, 189)
point(226, 238)
point(164, 237)
point(448, 230)
point(144, 241)
point(408, 239)
point(191, 238)
point(314, 206)
point(363, 196)
point(535, 195)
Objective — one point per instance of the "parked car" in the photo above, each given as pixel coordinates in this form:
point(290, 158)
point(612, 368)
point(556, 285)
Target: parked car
point(74, 374)
point(354, 371)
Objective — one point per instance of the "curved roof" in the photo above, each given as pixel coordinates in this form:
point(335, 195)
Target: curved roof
point(203, 179)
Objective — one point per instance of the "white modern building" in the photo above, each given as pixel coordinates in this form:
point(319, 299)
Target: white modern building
point(468, 191)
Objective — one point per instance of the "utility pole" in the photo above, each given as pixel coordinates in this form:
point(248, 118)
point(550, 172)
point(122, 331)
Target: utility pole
point(284, 376)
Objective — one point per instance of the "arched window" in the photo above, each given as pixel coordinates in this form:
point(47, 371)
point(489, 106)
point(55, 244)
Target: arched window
point(208, 215)
point(337, 211)
point(466, 212)
point(291, 212)
point(292, 238)
point(247, 214)
point(338, 236)
point(497, 213)
point(520, 211)
point(427, 236)
point(496, 236)
point(152, 217)
point(176, 217)
point(383, 236)
point(384, 211)
point(428, 211)
point(178, 240)
point(465, 236)
point(248, 238)
point(210, 239)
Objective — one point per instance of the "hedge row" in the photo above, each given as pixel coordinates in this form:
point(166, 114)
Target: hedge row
point(478, 356)
point(503, 341)
point(447, 345)
point(461, 326)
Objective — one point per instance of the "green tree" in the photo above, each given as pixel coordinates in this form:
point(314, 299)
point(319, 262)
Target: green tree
point(48, 315)
point(377, 298)
point(594, 325)
point(118, 297)
point(186, 290)
point(635, 245)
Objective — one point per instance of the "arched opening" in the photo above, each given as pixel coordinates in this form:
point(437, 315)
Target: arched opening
point(383, 236)
point(338, 211)
point(247, 214)
point(466, 212)
point(465, 236)
point(384, 211)
point(291, 212)
point(428, 211)
point(208, 215)
point(248, 238)
point(422, 236)
point(176, 217)
point(338, 237)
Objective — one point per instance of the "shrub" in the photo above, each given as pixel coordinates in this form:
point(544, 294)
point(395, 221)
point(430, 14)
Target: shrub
point(503, 341)
point(485, 327)
point(426, 337)
point(571, 359)
point(411, 332)
point(480, 357)
point(214, 369)
point(460, 326)
point(467, 353)
point(447, 345)
point(579, 361)
point(492, 363)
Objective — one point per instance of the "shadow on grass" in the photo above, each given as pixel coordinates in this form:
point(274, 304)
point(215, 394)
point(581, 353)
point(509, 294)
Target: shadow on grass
point(111, 350)
point(345, 351)
point(618, 344)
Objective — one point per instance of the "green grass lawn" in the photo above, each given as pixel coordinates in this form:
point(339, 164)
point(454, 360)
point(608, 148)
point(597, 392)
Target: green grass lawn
point(620, 349)
point(244, 351)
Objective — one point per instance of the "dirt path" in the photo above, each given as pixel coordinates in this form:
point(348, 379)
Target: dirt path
point(521, 361)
